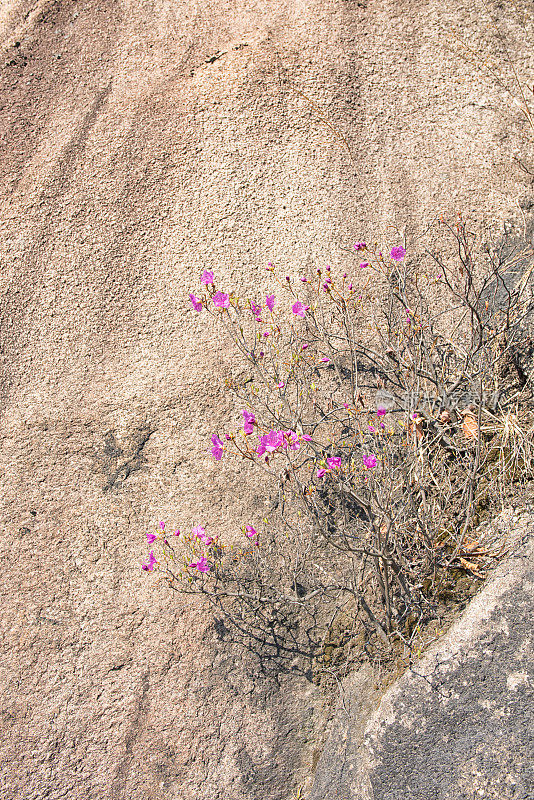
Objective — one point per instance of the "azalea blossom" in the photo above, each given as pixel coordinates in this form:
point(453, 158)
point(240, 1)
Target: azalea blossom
point(217, 449)
point(256, 310)
point(270, 302)
point(152, 561)
point(292, 440)
point(201, 534)
point(197, 304)
point(250, 419)
point(270, 442)
point(397, 253)
point(369, 461)
point(202, 564)
point(299, 309)
point(221, 300)
point(333, 462)
point(207, 277)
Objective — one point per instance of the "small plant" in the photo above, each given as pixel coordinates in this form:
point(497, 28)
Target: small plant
point(388, 408)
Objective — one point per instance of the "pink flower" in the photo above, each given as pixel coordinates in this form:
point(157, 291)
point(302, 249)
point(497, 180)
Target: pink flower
point(325, 360)
point(207, 277)
point(369, 461)
point(397, 253)
point(306, 438)
point(221, 300)
point(217, 449)
point(250, 532)
point(162, 526)
point(250, 419)
point(305, 346)
point(280, 385)
point(201, 534)
point(152, 561)
point(333, 462)
point(345, 405)
point(266, 334)
point(270, 302)
point(197, 304)
point(292, 440)
point(321, 473)
point(304, 280)
point(151, 537)
point(270, 442)
point(380, 411)
point(373, 430)
point(364, 264)
point(256, 310)
point(299, 309)
point(202, 564)
point(360, 246)
point(177, 533)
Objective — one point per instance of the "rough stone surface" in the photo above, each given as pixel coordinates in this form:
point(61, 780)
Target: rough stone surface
point(458, 725)
point(140, 143)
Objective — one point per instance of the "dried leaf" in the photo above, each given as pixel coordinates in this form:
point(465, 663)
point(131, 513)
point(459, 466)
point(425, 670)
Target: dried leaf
point(470, 427)
point(472, 567)
point(417, 427)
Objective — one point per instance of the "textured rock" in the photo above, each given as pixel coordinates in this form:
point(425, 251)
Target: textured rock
point(142, 142)
point(459, 724)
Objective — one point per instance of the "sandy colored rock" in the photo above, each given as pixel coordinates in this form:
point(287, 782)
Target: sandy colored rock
point(141, 143)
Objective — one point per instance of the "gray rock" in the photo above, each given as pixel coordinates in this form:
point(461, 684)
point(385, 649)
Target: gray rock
point(459, 724)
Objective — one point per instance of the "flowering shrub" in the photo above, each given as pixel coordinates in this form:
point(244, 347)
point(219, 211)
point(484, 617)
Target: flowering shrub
point(379, 419)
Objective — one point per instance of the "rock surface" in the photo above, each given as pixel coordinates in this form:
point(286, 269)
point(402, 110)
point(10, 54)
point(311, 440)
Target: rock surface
point(458, 725)
point(141, 143)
